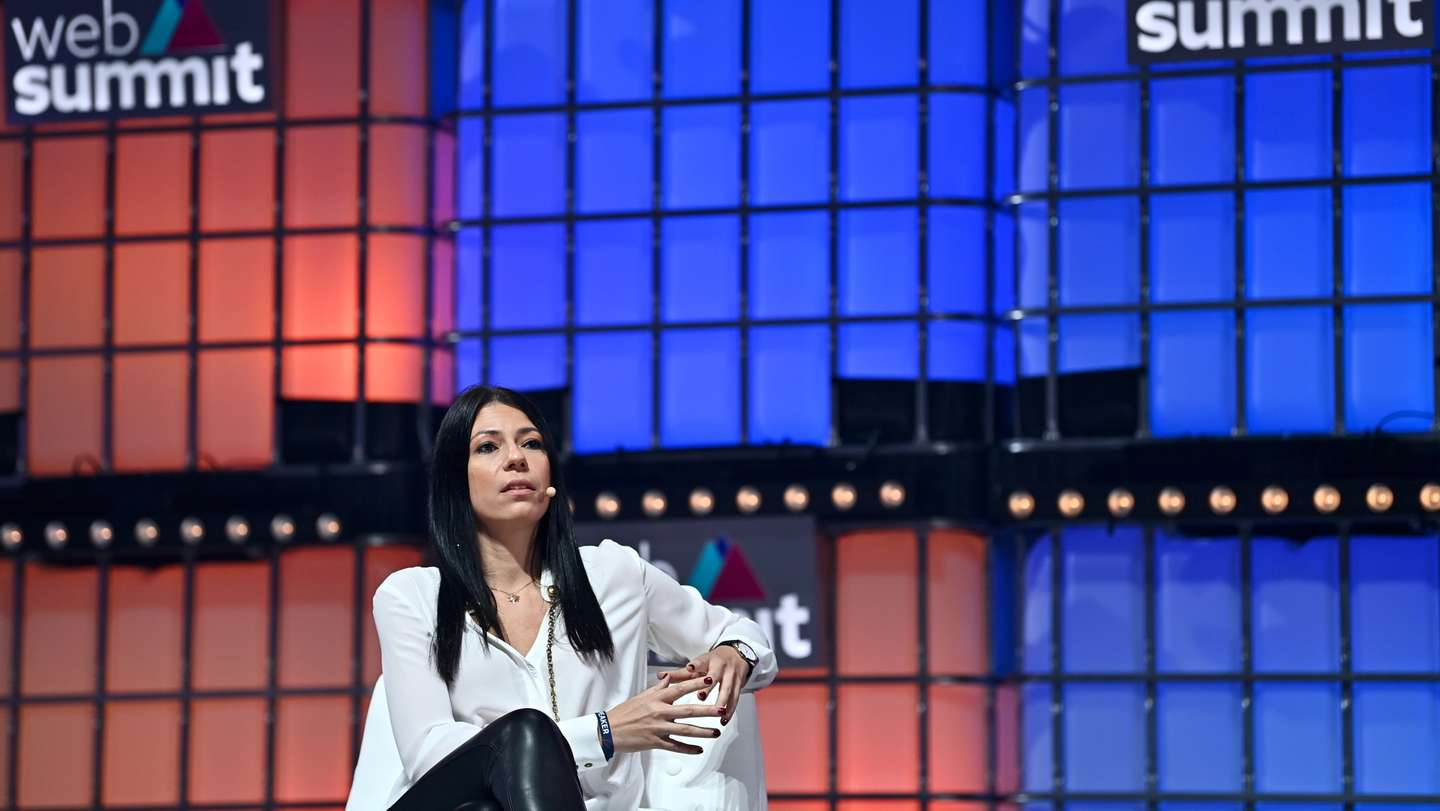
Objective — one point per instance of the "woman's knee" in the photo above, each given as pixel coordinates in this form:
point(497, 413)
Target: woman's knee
point(529, 727)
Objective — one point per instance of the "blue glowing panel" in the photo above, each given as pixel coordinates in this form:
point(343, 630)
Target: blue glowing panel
point(1036, 611)
point(1198, 737)
point(472, 50)
point(879, 262)
point(469, 280)
point(1003, 354)
point(956, 351)
point(790, 46)
point(1036, 736)
point(1034, 38)
point(470, 168)
point(1103, 629)
point(1387, 120)
point(1389, 367)
point(1034, 140)
point(468, 362)
point(1287, 243)
point(789, 265)
point(790, 152)
point(612, 161)
point(958, 145)
point(1197, 605)
point(699, 387)
point(528, 362)
point(1004, 262)
point(1092, 343)
point(1287, 125)
point(1192, 373)
point(1099, 135)
point(1396, 744)
point(1289, 370)
point(613, 50)
point(1391, 578)
point(1387, 240)
point(1114, 713)
point(956, 273)
point(1297, 737)
point(1003, 152)
point(1034, 259)
point(884, 350)
point(1192, 247)
point(878, 148)
point(1092, 37)
point(790, 385)
point(702, 48)
point(527, 276)
point(701, 152)
point(879, 43)
point(1099, 251)
point(612, 272)
point(1296, 605)
point(1034, 347)
point(1192, 130)
point(612, 391)
point(529, 165)
point(700, 266)
point(958, 51)
point(529, 52)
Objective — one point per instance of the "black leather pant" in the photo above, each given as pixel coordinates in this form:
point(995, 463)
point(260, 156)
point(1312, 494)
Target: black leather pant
point(520, 762)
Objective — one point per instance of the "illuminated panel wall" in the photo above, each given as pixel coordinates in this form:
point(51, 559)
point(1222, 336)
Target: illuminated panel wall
point(164, 282)
point(697, 214)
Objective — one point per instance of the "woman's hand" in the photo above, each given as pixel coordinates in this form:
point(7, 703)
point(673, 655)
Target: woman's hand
point(729, 670)
point(648, 720)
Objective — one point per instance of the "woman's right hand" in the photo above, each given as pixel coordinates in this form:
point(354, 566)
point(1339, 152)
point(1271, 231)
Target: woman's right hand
point(648, 720)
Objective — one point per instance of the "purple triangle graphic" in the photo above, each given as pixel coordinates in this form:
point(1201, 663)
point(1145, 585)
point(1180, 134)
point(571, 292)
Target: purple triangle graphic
point(196, 30)
point(737, 581)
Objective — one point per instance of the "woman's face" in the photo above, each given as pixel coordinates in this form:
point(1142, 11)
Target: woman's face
point(508, 469)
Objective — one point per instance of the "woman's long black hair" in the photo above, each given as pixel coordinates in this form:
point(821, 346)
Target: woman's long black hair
point(454, 540)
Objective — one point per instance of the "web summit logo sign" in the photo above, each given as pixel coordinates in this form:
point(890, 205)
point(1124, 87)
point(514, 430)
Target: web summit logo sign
point(69, 59)
point(1169, 30)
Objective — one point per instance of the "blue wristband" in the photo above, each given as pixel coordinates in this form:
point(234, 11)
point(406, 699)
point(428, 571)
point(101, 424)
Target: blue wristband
point(607, 743)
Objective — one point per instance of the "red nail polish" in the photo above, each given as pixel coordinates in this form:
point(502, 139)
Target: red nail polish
point(702, 696)
point(722, 709)
point(724, 721)
point(708, 680)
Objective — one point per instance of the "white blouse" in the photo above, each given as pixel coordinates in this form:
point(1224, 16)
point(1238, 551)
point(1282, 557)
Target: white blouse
point(646, 610)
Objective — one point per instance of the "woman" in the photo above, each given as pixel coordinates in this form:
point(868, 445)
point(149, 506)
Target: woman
point(515, 670)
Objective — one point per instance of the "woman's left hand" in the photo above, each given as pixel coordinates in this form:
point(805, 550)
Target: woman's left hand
point(723, 664)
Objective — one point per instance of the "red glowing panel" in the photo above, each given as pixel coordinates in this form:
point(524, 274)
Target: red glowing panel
point(319, 373)
point(231, 635)
point(313, 755)
point(442, 376)
point(397, 173)
point(395, 282)
point(321, 176)
point(235, 405)
point(67, 297)
point(237, 291)
point(63, 427)
point(151, 411)
point(322, 67)
point(394, 374)
point(957, 738)
point(442, 291)
point(956, 595)
point(317, 616)
point(68, 189)
point(444, 170)
point(152, 289)
point(879, 805)
point(145, 774)
point(7, 595)
point(227, 750)
point(9, 299)
point(59, 619)
point(795, 728)
point(380, 561)
point(56, 753)
point(322, 287)
point(5, 753)
point(398, 57)
point(797, 805)
point(953, 805)
point(12, 188)
point(1007, 737)
point(152, 183)
point(877, 568)
point(879, 738)
point(237, 180)
point(9, 386)
point(146, 614)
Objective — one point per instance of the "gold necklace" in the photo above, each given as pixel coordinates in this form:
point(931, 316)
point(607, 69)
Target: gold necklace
point(513, 597)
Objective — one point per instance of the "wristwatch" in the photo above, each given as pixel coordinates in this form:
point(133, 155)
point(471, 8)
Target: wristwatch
point(743, 648)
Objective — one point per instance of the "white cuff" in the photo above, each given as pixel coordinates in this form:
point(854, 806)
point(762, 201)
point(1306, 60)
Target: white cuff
point(583, 733)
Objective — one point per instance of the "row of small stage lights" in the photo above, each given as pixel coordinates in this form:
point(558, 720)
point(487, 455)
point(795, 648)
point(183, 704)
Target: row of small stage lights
point(748, 500)
point(192, 531)
point(1274, 500)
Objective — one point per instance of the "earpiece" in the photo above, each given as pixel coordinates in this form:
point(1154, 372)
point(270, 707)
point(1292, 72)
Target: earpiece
point(550, 491)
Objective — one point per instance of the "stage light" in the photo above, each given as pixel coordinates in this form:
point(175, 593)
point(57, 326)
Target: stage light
point(892, 494)
point(797, 498)
point(1071, 503)
point(843, 496)
point(147, 532)
point(1022, 504)
point(653, 503)
point(1171, 501)
point(747, 499)
point(1223, 500)
point(237, 529)
point(1327, 499)
point(101, 534)
point(1379, 498)
point(282, 527)
point(328, 526)
point(702, 501)
point(1121, 502)
point(607, 505)
point(1430, 497)
point(56, 535)
point(192, 531)
point(11, 536)
point(1274, 499)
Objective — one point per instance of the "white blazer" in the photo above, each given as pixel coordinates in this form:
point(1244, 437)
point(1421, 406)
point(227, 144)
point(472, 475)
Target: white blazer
point(646, 610)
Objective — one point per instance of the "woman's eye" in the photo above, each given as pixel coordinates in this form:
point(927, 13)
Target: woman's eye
point(535, 444)
point(485, 447)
